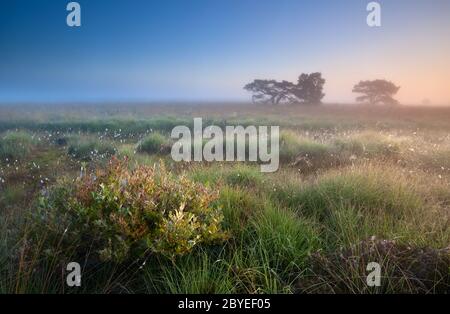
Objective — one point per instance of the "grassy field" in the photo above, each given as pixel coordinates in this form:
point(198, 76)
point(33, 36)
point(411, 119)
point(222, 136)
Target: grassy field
point(355, 185)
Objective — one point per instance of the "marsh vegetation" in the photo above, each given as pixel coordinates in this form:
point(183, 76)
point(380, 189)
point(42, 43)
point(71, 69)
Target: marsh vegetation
point(97, 185)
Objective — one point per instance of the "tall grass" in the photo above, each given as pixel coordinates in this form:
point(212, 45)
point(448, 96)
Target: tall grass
point(368, 144)
point(15, 145)
point(351, 189)
point(155, 143)
point(293, 146)
point(90, 148)
point(288, 238)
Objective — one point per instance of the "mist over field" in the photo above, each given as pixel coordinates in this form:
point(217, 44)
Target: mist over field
point(108, 184)
point(372, 181)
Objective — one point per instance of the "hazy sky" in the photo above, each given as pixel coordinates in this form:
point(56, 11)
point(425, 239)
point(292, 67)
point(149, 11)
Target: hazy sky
point(208, 49)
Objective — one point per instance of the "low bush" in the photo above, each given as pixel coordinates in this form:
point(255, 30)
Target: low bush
point(120, 214)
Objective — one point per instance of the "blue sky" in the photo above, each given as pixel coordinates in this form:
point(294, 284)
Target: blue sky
point(143, 50)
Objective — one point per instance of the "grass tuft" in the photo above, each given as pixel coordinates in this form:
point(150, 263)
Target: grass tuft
point(155, 143)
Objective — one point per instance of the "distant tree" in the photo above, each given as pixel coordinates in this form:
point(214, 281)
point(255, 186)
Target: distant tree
point(269, 91)
point(308, 90)
point(376, 92)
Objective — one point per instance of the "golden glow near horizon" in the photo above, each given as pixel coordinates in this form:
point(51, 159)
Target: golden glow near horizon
point(420, 68)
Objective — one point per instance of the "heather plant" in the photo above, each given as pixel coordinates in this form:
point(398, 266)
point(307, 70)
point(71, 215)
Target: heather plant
point(122, 213)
